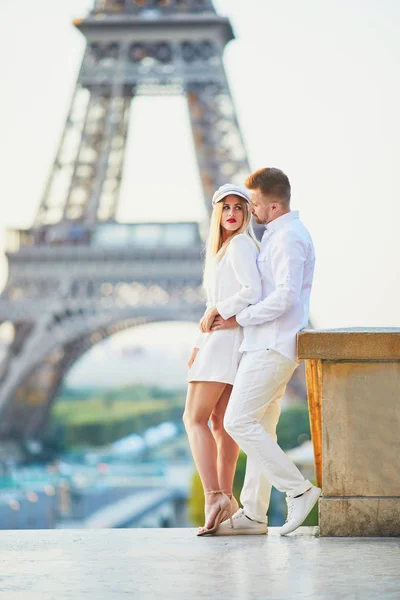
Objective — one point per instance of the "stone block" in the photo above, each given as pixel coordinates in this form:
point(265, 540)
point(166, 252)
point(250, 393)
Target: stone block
point(378, 517)
point(361, 428)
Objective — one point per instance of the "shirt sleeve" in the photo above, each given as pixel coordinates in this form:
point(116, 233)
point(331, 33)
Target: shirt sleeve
point(243, 258)
point(288, 257)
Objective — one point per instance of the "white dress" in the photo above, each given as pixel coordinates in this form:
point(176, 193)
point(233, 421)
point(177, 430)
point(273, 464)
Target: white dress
point(232, 285)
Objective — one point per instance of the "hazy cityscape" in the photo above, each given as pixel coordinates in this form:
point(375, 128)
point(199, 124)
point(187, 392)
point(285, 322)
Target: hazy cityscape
point(71, 479)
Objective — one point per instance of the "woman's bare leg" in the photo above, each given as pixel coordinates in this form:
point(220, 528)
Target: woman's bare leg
point(228, 450)
point(202, 397)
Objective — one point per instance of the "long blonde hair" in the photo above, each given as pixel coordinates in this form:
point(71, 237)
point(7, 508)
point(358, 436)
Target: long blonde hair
point(215, 247)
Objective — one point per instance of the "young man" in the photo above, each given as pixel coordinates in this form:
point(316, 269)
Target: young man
point(286, 264)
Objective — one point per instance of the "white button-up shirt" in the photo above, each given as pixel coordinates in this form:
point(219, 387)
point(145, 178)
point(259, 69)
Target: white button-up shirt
point(286, 265)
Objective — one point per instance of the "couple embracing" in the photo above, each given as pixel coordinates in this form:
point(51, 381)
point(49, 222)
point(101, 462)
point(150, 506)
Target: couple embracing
point(245, 354)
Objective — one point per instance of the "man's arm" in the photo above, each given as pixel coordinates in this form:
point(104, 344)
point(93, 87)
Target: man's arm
point(289, 255)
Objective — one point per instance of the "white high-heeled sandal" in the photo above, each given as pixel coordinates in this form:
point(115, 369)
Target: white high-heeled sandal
point(234, 502)
point(225, 511)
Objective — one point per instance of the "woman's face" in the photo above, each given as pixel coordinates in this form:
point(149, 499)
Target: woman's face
point(232, 213)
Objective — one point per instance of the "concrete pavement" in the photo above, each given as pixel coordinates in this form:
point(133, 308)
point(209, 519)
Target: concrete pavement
point(152, 564)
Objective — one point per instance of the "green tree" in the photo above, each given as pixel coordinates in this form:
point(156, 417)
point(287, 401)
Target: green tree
point(294, 423)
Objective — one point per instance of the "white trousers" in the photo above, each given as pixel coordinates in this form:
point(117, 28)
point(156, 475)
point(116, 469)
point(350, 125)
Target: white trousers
point(251, 419)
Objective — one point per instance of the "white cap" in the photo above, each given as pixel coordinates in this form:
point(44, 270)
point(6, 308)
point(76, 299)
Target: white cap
point(230, 188)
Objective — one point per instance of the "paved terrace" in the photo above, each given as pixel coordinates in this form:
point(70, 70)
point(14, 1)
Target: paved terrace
point(150, 564)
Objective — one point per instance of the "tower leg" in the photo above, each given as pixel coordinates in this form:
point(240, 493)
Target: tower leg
point(220, 151)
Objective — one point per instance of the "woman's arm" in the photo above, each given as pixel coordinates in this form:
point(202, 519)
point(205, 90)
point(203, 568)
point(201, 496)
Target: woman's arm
point(192, 357)
point(243, 258)
point(200, 335)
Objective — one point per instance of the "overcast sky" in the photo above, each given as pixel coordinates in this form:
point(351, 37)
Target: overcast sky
point(316, 86)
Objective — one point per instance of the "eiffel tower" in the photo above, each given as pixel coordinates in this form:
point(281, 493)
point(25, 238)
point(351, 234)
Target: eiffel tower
point(77, 275)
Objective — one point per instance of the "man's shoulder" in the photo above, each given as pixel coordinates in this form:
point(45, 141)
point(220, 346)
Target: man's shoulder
point(292, 235)
point(295, 230)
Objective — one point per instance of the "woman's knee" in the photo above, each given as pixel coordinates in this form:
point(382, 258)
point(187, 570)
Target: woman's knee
point(192, 419)
point(217, 423)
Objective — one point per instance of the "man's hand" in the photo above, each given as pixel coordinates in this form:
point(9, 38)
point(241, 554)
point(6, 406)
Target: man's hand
point(220, 323)
point(208, 319)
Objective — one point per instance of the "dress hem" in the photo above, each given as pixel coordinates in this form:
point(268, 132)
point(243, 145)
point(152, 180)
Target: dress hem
point(210, 381)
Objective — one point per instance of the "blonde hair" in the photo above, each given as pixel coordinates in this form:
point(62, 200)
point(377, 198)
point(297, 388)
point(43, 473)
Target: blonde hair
point(215, 247)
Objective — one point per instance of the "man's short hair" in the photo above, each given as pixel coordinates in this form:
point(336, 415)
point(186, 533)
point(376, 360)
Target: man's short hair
point(271, 182)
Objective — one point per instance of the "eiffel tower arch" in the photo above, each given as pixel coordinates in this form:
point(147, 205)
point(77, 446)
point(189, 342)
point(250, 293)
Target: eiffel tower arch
point(77, 275)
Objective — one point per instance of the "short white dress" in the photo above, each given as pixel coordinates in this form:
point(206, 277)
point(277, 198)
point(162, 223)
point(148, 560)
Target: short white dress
point(232, 285)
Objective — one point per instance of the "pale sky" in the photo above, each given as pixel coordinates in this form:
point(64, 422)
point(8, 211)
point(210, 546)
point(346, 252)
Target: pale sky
point(316, 87)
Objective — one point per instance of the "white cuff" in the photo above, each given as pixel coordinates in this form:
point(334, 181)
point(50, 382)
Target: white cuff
point(221, 310)
point(241, 318)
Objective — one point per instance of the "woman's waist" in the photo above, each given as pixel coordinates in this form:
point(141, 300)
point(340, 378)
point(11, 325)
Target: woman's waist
point(222, 292)
point(236, 332)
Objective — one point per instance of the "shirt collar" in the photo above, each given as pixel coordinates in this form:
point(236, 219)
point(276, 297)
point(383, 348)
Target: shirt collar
point(282, 220)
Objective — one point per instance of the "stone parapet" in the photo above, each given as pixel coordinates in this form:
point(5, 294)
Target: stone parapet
point(353, 385)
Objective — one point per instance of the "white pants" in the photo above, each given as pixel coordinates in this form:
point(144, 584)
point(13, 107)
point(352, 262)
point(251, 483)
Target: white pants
point(251, 418)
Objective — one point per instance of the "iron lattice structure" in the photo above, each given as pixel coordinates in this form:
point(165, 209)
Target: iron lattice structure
point(142, 47)
point(77, 275)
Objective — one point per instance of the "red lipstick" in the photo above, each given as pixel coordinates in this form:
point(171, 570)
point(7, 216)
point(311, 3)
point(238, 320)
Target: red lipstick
point(231, 220)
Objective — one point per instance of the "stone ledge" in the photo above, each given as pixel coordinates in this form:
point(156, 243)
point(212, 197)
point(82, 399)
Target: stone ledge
point(349, 344)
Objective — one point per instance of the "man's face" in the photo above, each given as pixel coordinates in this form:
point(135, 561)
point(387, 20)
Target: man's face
point(262, 207)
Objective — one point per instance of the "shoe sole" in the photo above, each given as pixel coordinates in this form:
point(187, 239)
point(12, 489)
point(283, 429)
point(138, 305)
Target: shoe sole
point(241, 532)
point(221, 516)
point(317, 494)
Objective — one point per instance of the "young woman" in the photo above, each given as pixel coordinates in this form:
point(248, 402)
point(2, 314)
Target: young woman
point(231, 282)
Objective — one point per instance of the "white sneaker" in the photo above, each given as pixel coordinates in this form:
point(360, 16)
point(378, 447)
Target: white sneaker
point(299, 508)
point(242, 525)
